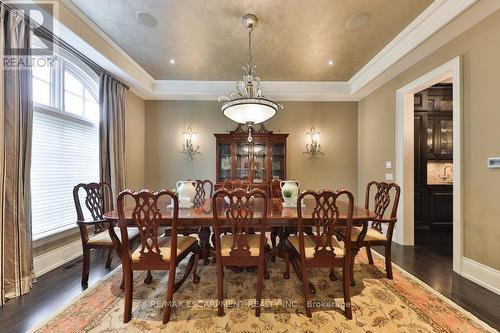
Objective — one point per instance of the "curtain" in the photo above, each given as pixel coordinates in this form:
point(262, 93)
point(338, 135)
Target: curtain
point(16, 117)
point(112, 134)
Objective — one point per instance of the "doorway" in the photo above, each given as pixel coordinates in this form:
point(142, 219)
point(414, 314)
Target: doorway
point(433, 172)
point(404, 233)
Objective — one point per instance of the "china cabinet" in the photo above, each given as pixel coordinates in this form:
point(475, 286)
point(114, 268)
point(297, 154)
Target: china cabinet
point(258, 161)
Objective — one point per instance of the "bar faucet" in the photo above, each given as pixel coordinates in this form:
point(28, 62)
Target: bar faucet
point(445, 176)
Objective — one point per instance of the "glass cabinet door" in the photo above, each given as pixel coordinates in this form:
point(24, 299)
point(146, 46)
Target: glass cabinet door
point(429, 136)
point(242, 160)
point(259, 163)
point(225, 163)
point(278, 160)
point(446, 136)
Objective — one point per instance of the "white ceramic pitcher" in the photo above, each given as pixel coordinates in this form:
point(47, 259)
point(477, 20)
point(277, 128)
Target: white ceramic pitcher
point(186, 190)
point(293, 186)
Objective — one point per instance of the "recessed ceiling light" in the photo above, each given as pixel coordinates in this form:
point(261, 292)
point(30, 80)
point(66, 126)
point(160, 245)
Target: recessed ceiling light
point(146, 19)
point(172, 61)
point(358, 21)
point(330, 62)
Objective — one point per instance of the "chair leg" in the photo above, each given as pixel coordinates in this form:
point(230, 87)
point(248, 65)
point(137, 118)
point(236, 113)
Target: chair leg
point(347, 290)
point(351, 271)
point(260, 283)
point(86, 266)
point(127, 315)
point(332, 275)
point(274, 236)
point(220, 290)
point(307, 295)
point(109, 258)
point(149, 278)
point(170, 295)
point(286, 275)
point(388, 261)
point(369, 255)
point(196, 277)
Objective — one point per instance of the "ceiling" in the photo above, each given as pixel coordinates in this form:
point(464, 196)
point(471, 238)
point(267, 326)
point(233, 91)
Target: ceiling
point(294, 39)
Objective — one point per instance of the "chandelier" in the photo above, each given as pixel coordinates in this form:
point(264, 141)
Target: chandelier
point(248, 104)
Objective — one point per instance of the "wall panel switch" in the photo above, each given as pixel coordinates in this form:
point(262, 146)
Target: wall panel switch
point(388, 164)
point(389, 176)
point(494, 162)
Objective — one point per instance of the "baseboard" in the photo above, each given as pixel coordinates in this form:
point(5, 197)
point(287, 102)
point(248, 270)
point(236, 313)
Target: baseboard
point(57, 257)
point(483, 275)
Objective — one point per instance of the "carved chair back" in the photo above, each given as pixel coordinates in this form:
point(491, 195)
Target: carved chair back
point(325, 219)
point(203, 187)
point(381, 201)
point(96, 194)
point(147, 216)
point(275, 189)
point(238, 216)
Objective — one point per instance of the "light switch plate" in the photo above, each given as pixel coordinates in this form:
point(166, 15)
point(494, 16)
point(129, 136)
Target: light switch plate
point(494, 162)
point(388, 164)
point(389, 176)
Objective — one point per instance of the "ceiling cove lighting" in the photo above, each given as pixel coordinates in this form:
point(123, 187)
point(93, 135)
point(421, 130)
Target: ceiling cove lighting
point(247, 104)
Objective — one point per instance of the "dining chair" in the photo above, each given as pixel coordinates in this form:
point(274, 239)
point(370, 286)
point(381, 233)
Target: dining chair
point(96, 194)
point(203, 187)
point(155, 252)
point(321, 249)
point(374, 234)
point(241, 247)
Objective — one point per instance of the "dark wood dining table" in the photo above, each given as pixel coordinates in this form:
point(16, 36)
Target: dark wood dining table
point(201, 217)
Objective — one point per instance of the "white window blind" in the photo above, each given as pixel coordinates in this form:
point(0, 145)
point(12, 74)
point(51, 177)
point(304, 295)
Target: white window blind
point(65, 153)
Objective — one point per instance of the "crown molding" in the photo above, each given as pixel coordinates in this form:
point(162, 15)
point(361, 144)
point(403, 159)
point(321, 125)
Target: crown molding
point(278, 90)
point(430, 21)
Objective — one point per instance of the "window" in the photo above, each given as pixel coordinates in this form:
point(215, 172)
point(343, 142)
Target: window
point(65, 149)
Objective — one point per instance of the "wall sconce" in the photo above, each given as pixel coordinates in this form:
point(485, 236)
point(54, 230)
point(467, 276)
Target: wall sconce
point(188, 148)
point(313, 149)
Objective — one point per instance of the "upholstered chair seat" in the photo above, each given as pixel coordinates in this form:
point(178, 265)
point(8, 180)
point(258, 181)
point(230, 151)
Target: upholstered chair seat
point(371, 235)
point(164, 244)
point(227, 241)
point(103, 238)
point(310, 244)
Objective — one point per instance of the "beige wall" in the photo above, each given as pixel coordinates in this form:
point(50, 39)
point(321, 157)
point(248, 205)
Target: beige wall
point(337, 122)
point(480, 52)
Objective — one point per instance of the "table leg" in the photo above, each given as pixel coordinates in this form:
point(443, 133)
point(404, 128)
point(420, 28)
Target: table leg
point(205, 248)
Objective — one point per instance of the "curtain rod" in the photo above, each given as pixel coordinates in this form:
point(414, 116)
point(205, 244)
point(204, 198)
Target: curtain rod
point(46, 34)
point(49, 36)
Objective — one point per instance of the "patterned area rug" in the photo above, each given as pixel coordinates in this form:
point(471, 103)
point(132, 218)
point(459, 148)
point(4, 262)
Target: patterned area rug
point(379, 305)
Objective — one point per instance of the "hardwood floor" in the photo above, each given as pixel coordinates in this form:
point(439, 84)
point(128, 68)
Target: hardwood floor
point(430, 261)
point(52, 292)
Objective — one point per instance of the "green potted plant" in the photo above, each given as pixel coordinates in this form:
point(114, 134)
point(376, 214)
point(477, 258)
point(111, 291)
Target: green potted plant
point(287, 196)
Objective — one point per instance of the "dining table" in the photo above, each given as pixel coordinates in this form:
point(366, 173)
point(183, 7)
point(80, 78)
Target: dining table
point(285, 219)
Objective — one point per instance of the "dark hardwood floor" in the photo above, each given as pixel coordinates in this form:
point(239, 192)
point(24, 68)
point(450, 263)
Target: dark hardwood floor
point(429, 260)
point(51, 293)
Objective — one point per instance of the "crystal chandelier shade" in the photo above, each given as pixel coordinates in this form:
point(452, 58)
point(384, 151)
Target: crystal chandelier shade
point(248, 104)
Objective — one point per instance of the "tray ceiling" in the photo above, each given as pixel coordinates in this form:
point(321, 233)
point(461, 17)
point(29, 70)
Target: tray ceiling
point(294, 40)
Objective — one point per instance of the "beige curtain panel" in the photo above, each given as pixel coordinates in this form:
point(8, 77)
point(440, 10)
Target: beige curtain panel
point(16, 116)
point(112, 134)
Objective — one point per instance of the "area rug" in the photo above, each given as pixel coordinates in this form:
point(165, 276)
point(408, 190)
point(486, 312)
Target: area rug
point(403, 304)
